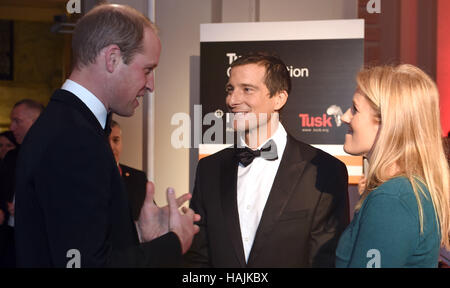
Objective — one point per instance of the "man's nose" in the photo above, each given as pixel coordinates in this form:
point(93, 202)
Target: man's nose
point(150, 85)
point(234, 98)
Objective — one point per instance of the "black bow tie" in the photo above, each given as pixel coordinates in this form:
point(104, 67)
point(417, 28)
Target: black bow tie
point(268, 152)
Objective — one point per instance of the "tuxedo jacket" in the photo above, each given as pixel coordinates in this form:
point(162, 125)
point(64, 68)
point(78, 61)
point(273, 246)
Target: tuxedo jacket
point(69, 195)
point(305, 213)
point(135, 184)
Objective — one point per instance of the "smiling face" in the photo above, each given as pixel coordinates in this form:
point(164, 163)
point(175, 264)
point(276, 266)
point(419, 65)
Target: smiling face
point(363, 126)
point(249, 98)
point(136, 79)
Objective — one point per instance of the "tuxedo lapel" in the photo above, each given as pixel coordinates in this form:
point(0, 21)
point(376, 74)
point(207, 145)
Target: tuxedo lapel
point(291, 167)
point(228, 186)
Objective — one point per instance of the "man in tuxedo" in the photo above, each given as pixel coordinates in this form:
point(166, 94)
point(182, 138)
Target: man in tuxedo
point(277, 202)
point(71, 206)
point(135, 180)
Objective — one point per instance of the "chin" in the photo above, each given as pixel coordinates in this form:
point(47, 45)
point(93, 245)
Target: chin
point(126, 113)
point(346, 150)
point(354, 153)
point(350, 151)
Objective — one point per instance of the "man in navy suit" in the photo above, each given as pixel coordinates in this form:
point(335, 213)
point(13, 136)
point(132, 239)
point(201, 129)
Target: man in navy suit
point(277, 202)
point(135, 180)
point(71, 206)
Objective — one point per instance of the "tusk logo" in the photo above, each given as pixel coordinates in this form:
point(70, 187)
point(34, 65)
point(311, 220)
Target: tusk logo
point(335, 111)
point(321, 123)
point(324, 120)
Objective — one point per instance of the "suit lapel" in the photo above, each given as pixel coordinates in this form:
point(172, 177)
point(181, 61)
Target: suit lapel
point(228, 186)
point(291, 167)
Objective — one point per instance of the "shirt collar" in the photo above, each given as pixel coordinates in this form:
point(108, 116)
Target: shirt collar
point(279, 137)
point(90, 100)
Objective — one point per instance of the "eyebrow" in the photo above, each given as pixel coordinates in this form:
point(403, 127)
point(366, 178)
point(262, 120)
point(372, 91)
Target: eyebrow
point(242, 85)
point(247, 85)
point(150, 66)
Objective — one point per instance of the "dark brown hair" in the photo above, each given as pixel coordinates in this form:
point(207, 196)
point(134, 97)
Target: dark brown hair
point(277, 76)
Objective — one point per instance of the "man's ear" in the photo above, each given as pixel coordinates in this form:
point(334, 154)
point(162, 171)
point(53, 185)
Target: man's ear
point(280, 99)
point(112, 57)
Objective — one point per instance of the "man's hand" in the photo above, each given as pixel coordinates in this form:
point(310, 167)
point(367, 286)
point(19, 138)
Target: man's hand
point(153, 221)
point(182, 224)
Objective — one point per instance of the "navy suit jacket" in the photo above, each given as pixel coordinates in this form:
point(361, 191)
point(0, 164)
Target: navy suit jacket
point(69, 195)
point(305, 213)
point(135, 184)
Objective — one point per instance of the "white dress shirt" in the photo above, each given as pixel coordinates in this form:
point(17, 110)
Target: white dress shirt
point(253, 187)
point(89, 99)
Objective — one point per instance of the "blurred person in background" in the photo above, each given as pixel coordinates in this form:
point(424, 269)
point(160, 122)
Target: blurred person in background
point(135, 180)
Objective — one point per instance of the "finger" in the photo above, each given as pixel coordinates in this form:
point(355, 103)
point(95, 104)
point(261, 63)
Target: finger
point(183, 198)
point(150, 193)
point(189, 212)
point(196, 229)
point(173, 207)
point(197, 217)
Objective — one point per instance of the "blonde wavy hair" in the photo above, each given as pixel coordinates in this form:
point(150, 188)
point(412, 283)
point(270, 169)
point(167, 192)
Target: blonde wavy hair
point(409, 141)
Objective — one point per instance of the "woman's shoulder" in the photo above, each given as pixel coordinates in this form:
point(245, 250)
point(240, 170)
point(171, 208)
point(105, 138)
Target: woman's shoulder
point(399, 187)
point(399, 191)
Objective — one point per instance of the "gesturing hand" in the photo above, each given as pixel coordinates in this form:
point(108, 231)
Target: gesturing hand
point(182, 224)
point(153, 221)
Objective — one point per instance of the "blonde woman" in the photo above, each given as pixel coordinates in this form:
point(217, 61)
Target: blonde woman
point(402, 218)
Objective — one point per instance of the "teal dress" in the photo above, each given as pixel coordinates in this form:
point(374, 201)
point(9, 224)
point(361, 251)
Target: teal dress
point(385, 232)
